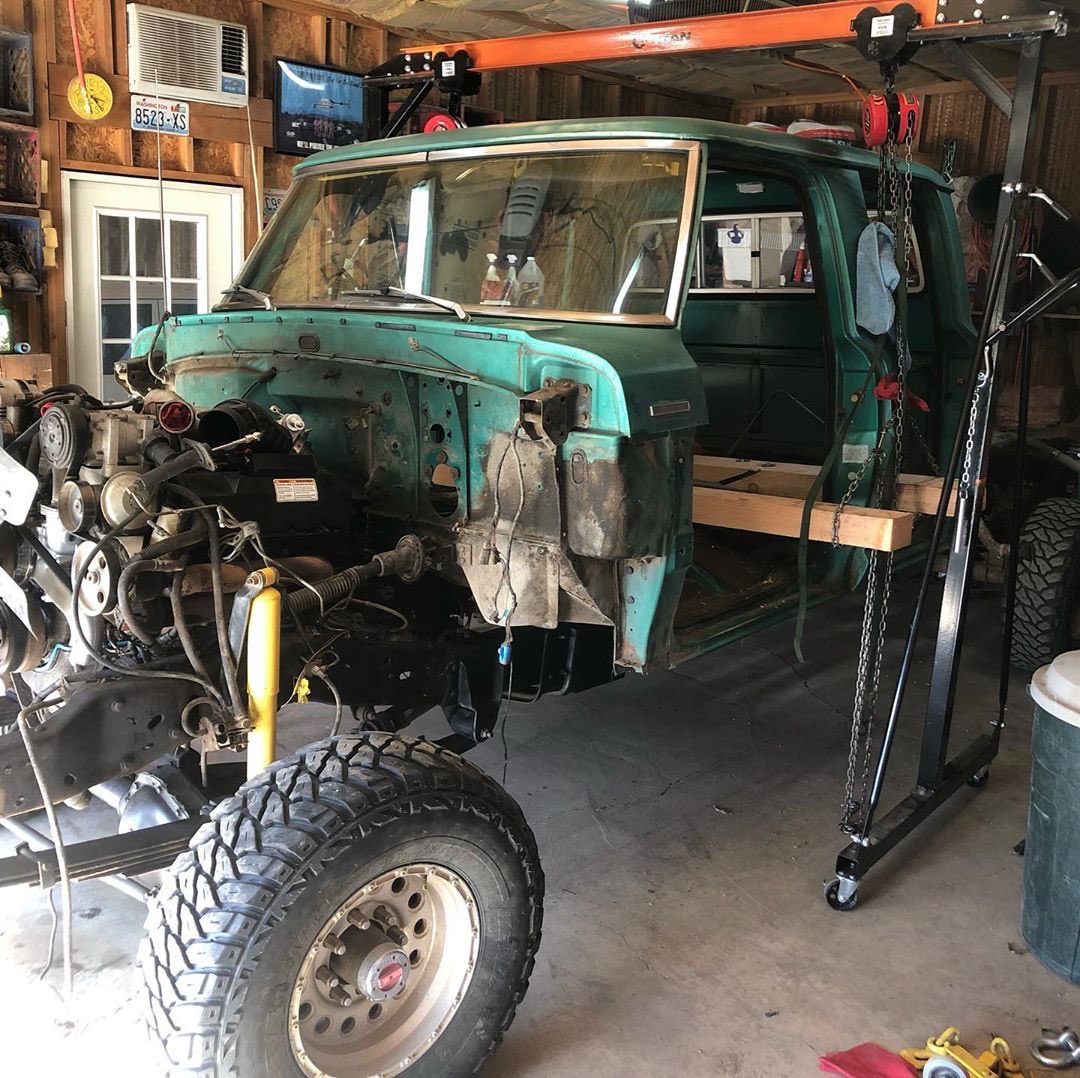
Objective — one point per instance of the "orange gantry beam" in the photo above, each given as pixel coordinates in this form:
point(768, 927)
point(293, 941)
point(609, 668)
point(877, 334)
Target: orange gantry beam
point(785, 27)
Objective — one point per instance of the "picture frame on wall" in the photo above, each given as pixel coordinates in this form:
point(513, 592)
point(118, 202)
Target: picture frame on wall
point(316, 107)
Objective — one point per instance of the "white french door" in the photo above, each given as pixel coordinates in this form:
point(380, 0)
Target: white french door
point(128, 263)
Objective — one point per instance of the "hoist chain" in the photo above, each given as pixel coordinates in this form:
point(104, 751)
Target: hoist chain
point(894, 209)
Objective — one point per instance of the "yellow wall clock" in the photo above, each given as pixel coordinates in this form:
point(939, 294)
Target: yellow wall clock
point(97, 101)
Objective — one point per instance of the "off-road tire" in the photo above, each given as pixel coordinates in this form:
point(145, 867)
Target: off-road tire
point(1047, 584)
point(222, 935)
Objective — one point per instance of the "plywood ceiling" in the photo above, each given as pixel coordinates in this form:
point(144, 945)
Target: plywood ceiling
point(735, 76)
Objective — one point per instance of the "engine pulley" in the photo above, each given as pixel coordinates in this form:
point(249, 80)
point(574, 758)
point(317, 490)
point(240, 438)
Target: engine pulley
point(97, 595)
point(65, 437)
point(77, 506)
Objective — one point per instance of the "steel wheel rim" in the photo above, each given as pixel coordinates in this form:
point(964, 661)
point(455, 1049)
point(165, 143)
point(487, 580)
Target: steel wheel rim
point(434, 925)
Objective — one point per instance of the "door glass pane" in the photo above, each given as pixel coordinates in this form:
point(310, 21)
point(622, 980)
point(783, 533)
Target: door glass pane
point(113, 245)
point(185, 298)
point(147, 247)
point(115, 310)
point(183, 252)
point(149, 304)
point(784, 261)
point(727, 248)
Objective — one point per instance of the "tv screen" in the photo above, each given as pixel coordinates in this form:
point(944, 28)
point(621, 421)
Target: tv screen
point(316, 108)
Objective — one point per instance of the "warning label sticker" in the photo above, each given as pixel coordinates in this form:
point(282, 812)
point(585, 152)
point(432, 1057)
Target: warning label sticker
point(296, 490)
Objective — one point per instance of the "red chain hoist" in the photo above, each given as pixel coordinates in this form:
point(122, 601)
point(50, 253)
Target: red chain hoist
point(889, 116)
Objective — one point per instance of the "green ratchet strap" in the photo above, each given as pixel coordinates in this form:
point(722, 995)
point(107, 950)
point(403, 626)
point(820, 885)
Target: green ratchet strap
point(872, 375)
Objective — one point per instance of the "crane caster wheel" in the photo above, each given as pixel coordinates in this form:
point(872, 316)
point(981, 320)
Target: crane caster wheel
point(832, 896)
point(980, 778)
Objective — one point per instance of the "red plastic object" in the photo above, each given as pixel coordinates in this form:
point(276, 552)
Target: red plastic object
point(888, 389)
point(866, 1061)
point(176, 417)
point(882, 113)
point(442, 121)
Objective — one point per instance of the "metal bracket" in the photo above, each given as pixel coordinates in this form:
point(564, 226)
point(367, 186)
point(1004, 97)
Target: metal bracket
point(551, 412)
point(995, 93)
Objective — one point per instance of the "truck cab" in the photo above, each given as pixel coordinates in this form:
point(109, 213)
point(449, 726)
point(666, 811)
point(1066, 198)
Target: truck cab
point(522, 342)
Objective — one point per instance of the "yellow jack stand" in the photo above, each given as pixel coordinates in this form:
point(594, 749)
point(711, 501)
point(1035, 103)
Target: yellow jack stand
point(263, 665)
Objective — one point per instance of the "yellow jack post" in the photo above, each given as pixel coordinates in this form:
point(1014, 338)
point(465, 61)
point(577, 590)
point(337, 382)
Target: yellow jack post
point(263, 677)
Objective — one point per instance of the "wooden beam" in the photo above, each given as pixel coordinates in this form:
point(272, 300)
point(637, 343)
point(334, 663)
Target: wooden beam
point(769, 514)
point(922, 88)
point(914, 493)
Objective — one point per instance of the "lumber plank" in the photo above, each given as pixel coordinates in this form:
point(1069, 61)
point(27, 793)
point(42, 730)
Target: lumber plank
point(914, 493)
point(772, 514)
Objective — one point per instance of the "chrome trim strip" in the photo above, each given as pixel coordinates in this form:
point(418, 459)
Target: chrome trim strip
point(595, 145)
point(666, 408)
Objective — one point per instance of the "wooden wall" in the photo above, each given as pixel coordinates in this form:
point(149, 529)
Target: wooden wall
point(956, 111)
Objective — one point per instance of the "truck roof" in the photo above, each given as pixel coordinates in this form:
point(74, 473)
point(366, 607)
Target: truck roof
point(666, 127)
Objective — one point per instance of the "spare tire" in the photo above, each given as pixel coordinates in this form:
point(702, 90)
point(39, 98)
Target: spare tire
point(1046, 617)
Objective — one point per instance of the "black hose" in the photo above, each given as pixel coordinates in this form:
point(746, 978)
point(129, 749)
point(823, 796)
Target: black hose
point(187, 641)
point(123, 599)
point(228, 663)
point(149, 559)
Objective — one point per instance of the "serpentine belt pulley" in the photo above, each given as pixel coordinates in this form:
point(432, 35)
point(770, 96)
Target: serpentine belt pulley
point(65, 436)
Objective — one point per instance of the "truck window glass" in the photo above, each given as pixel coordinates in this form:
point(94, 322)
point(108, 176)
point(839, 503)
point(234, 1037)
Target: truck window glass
point(600, 232)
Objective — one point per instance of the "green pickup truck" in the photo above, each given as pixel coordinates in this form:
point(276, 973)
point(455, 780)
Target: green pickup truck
point(487, 414)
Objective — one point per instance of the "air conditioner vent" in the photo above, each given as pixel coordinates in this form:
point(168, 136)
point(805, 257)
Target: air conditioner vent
point(234, 49)
point(186, 56)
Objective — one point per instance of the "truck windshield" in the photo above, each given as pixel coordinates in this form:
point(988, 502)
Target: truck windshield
point(542, 234)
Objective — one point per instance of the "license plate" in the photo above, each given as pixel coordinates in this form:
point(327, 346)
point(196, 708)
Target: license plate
point(155, 114)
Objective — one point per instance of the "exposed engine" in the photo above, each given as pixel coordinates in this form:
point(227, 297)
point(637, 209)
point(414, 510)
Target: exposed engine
point(129, 540)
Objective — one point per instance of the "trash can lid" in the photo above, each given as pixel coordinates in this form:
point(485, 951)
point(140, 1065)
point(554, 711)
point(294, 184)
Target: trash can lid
point(1056, 688)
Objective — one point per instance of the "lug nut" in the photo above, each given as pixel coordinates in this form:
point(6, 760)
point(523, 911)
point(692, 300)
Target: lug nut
point(395, 935)
point(335, 944)
point(357, 918)
point(340, 997)
point(385, 916)
point(325, 975)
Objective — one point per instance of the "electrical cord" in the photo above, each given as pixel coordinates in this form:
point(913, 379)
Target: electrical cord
point(58, 839)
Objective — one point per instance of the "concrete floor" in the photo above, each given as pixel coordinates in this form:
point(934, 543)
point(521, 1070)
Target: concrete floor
point(686, 822)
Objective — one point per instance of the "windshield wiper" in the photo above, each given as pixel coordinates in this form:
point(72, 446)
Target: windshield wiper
point(400, 293)
point(242, 290)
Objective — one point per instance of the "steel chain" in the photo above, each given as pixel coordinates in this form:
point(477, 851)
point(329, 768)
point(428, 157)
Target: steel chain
point(898, 213)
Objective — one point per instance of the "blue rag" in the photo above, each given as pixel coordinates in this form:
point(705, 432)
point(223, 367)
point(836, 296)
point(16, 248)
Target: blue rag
point(876, 278)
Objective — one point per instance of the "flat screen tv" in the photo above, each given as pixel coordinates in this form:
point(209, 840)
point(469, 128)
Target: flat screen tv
point(316, 107)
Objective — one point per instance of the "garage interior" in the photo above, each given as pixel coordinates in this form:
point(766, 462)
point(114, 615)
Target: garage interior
point(779, 566)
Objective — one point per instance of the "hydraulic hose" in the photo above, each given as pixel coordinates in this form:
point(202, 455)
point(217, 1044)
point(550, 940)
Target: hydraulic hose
point(228, 663)
point(153, 558)
point(183, 630)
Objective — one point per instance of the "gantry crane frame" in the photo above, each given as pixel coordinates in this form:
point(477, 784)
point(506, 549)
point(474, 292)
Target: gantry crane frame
point(888, 37)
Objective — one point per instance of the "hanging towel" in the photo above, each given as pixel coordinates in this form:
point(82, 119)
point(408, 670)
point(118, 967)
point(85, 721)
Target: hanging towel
point(876, 278)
